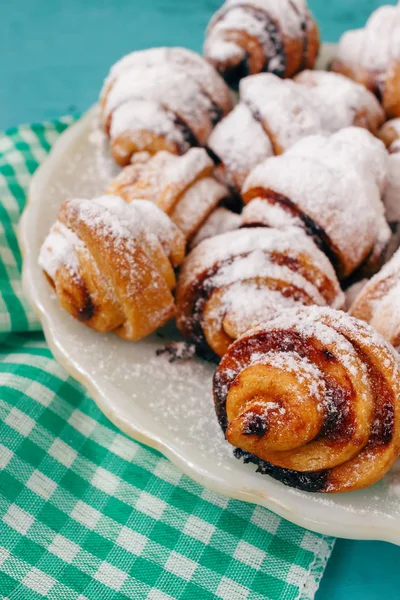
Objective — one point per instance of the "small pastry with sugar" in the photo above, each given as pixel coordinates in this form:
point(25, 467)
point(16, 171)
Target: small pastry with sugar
point(220, 221)
point(246, 37)
point(237, 279)
point(161, 99)
point(342, 102)
point(390, 135)
point(273, 114)
point(371, 56)
point(378, 303)
point(182, 186)
point(111, 264)
point(312, 398)
point(312, 186)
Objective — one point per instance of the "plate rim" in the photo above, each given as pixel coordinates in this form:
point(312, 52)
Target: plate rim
point(385, 532)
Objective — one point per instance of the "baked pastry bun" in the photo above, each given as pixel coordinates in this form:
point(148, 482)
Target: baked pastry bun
point(313, 399)
point(181, 186)
point(390, 135)
point(161, 99)
point(221, 220)
point(111, 264)
point(273, 114)
point(234, 280)
point(371, 56)
point(378, 303)
point(246, 37)
point(313, 187)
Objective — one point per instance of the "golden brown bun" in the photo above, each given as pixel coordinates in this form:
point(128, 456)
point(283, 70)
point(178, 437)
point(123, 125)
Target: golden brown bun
point(234, 280)
point(111, 264)
point(313, 398)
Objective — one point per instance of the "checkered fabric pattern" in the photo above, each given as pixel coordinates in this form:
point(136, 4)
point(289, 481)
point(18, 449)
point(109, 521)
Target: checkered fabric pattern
point(85, 512)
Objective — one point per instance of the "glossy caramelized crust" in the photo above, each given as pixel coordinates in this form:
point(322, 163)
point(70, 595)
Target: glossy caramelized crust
point(312, 186)
point(234, 280)
point(161, 99)
point(246, 37)
point(273, 114)
point(371, 56)
point(313, 398)
point(111, 264)
point(378, 303)
point(181, 186)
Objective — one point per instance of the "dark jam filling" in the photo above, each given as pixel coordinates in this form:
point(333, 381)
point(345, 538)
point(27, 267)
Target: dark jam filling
point(339, 422)
point(215, 112)
point(187, 133)
point(86, 312)
point(214, 157)
point(233, 201)
point(202, 291)
point(307, 482)
point(304, 29)
point(311, 227)
point(384, 417)
point(274, 49)
point(196, 334)
point(233, 75)
point(177, 351)
point(387, 423)
point(275, 64)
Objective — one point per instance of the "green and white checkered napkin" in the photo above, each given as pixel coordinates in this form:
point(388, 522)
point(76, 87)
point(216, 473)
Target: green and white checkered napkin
point(85, 512)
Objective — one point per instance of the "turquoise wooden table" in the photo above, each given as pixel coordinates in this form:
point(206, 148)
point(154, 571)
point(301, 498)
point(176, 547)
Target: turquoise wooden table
point(54, 55)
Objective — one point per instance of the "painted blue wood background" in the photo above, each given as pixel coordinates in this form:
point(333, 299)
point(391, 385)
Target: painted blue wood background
point(53, 57)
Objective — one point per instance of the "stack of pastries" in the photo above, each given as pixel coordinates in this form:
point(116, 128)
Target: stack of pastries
point(247, 221)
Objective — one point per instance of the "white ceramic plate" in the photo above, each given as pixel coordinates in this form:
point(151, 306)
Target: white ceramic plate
point(168, 406)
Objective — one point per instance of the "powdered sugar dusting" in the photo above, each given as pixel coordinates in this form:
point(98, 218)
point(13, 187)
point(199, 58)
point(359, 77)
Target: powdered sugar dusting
point(282, 12)
point(378, 302)
point(339, 100)
point(141, 115)
point(350, 146)
point(306, 373)
point(241, 143)
point(168, 87)
point(275, 114)
point(260, 211)
point(220, 221)
point(321, 186)
point(59, 249)
point(196, 204)
point(240, 18)
point(122, 223)
point(181, 59)
point(257, 265)
point(392, 193)
point(265, 303)
point(176, 398)
point(373, 46)
point(289, 110)
point(248, 275)
point(246, 241)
